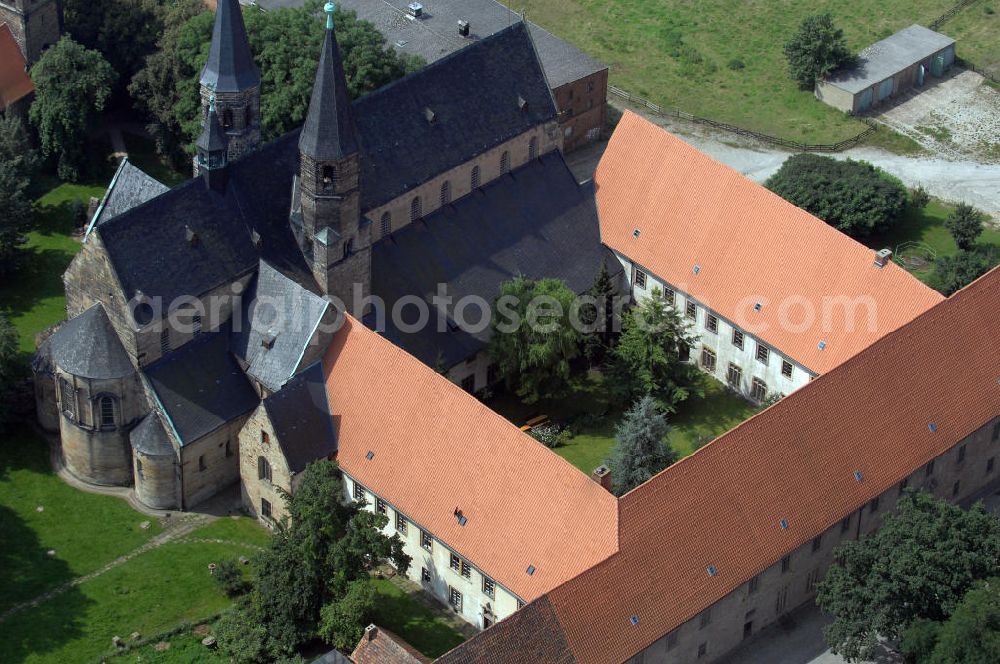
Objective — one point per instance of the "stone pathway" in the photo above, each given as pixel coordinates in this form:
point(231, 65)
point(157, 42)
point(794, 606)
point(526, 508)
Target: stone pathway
point(175, 530)
point(212, 540)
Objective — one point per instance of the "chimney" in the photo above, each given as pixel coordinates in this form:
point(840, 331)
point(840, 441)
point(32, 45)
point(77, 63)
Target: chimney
point(602, 475)
point(463, 28)
point(882, 257)
point(370, 632)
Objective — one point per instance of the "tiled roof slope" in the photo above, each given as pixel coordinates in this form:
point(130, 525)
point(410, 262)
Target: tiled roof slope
point(380, 646)
point(15, 83)
point(750, 245)
point(536, 221)
point(794, 461)
point(436, 448)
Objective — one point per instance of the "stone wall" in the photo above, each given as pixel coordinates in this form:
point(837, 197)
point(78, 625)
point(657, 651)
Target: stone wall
point(156, 480)
point(243, 136)
point(582, 105)
point(210, 463)
point(956, 475)
point(547, 138)
point(254, 489)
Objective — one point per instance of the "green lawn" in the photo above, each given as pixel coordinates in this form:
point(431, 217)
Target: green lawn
point(679, 53)
point(976, 30)
point(417, 625)
point(85, 530)
point(697, 421)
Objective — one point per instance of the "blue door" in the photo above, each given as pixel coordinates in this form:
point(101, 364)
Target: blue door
point(865, 102)
point(921, 74)
point(884, 89)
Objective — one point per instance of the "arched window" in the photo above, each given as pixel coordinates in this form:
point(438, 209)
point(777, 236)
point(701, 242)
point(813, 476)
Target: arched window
point(348, 248)
point(263, 469)
point(416, 208)
point(385, 224)
point(227, 118)
point(505, 162)
point(445, 193)
point(533, 148)
point(106, 405)
point(475, 177)
point(329, 174)
point(68, 397)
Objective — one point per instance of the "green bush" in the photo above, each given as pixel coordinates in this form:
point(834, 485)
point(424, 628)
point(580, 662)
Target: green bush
point(952, 273)
point(736, 64)
point(919, 198)
point(550, 434)
point(229, 578)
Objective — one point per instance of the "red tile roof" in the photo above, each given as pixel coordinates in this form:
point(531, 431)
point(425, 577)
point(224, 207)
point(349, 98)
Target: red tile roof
point(380, 646)
point(437, 448)
point(796, 461)
point(15, 83)
point(750, 246)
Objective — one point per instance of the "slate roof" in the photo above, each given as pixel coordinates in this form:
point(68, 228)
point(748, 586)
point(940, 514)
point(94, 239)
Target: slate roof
point(212, 138)
point(201, 386)
point(890, 56)
point(88, 347)
point(150, 438)
point(300, 415)
point(474, 96)
point(129, 187)
point(329, 131)
point(15, 84)
point(794, 461)
point(279, 312)
point(537, 221)
point(230, 66)
point(435, 35)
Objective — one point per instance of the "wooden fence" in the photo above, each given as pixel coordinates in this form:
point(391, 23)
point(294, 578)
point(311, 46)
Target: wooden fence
point(948, 15)
point(740, 131)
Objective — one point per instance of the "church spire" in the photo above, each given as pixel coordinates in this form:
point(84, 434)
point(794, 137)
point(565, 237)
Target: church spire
point(329, 131)
point(230, 66)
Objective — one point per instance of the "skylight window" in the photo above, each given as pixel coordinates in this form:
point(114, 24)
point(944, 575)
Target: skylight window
point(634, 620)
point(370, 455)
point(858, 476)
point(635, 233)
point(822, 345)
point(784, 524)
point(697, 269)
point(932, 427)
point(531, 570)
point(712, 571)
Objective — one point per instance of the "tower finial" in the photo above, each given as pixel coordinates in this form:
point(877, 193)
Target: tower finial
point(211, 103)
point(329, 8)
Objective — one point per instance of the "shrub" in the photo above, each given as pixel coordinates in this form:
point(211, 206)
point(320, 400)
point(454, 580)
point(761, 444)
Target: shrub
point(852, 196)
point(229, 578)
point(736, 64)
point(919, 197)
point(952, 273)
point(965, 224)
point(550, 435)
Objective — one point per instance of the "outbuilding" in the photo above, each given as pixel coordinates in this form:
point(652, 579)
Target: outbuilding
point(886, 68)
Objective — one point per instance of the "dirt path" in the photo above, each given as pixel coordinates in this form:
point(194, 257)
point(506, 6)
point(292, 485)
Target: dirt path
point(974, 183)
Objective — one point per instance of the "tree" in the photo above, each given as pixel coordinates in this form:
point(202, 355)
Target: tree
point(639, 451)
point(919, 564)
point(342, 623)
point(952, 273)
point(15, 145)
point(15, 216)
point(167, 87)
point(9, 367)
point(854, 197)
point(534, 339)
point(965, 224)
point(651, 356)
point(817, 49)
point(124, 31)
point(971, 635)
point(71, 85)
point(600, 316)
point(229, 578)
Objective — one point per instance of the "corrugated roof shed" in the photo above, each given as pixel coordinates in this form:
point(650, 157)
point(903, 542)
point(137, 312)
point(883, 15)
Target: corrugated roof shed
point(890, 56)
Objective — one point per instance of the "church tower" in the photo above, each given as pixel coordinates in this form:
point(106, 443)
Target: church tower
point(335, 242)
point(35, 25)
point(232, 78)
point(212, 156)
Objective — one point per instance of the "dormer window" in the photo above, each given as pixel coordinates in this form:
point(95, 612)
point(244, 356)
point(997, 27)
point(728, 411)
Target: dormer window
point(329, 173)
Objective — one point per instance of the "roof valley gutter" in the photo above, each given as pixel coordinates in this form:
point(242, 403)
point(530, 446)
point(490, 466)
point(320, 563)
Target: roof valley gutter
point(166, 415)
point(319, 319)
point(104, 199)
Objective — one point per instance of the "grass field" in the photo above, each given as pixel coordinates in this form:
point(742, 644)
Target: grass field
point(723, 59)
point(400, 613)
point(697, 420)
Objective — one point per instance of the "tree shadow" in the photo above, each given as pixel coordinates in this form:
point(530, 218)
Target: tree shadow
point(410, 616)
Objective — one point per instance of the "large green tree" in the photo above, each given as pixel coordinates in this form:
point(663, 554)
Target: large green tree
point(640, 449)
point(852, 196)
point(952, 273)
point(970, 635)
point(15, 145)
point(72, 84)
point(124, 31)
point(315, 569)
point(918, 565)
point(15, 216)
point(965, 224)
point(651, 356)
point(817, 49)
point(286, 44)
point(534, 339)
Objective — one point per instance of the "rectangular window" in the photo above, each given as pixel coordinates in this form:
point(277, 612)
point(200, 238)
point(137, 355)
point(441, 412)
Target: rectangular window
point(961, 454)
point(758, 390)
point(845, 524)
point(380, 506)
point(708, 360)
point(702, 650)
point(873, 505)
point(903, 485)
point(455, 599)
point(712, 324)
point(425, 575)
point(640, 279)
point(691, 310)
point(669, 296)
point(734, 376)
point(738, 339)
point(763, 353)
point(811, 580)
point(489, 588)
point(817, 543)
point(455, 562)
point(786, 563)
point(107, 412)
point(781, 600)
point(705, 619)
point(400, 524)
point(466, 570)
point(359, 491)
point(955, 488)
point(996, 432)
point(753, 585)
point(201, 462)
point(929, 469)
point(426, 540)
point(265, 508)
point(989, 465)
point(786, 368)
